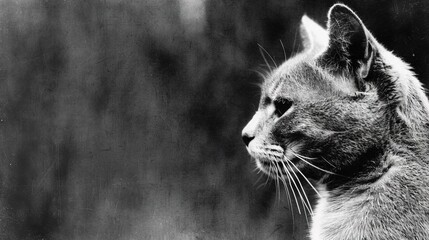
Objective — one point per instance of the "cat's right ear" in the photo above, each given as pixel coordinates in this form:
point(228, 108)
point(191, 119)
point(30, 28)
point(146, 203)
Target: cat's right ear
point(351, 45)
point(314, 37)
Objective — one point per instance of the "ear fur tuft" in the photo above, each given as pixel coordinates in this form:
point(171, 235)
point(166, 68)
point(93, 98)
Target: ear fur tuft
point(351, 46)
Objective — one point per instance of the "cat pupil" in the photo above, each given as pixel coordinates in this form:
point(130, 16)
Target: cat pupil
point(282, 105)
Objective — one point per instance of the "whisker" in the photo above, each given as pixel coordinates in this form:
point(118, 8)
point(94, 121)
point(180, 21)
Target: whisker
point(286, 189)
point(264, 184)
point(280, 177)
point(306, 179)
point(306, 218)
point(268, 178)
point(257, 169)
point(260, 47)
point(289, 198)
point(309, 208)
point(275, 148)
point(293, 192)
point(265, 59)
point(302, 188)
point(309, 158)
point(263, 75)
point(293, 181)
point(290, 205)
point(260, 176)
point(296, 186)
point(277, 183)
point(283, 47)
point(332, 165)
point(294, 42)
point(321, 169)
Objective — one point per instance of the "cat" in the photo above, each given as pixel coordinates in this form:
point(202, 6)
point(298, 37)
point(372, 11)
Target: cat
point(351, 116)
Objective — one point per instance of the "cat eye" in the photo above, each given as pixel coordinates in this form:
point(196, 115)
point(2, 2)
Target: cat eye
point(282, 105)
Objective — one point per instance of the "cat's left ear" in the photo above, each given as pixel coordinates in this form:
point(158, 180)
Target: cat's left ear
point(351, 45)
point(314, 37)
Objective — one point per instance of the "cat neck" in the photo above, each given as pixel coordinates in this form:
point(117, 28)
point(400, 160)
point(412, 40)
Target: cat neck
point(352, 211)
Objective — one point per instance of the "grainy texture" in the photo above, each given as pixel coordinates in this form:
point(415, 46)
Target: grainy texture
point(122, 119)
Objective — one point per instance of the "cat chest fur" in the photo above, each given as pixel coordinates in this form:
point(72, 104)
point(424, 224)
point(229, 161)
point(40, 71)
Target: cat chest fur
point(334, 220)
point(366, 215)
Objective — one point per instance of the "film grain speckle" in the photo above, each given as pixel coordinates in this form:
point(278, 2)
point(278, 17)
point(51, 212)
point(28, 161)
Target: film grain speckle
point(123, 119)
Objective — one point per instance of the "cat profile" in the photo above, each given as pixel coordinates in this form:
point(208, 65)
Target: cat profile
point(351, 116)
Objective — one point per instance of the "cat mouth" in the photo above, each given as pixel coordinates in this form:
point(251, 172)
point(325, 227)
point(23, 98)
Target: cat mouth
point(275, 160)
point(275, 168)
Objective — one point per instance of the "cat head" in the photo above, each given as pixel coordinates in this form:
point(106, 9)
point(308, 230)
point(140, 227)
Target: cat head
point(332, 108)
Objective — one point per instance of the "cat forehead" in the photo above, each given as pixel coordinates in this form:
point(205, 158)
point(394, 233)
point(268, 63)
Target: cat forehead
point(302, 78)
point(295, 77)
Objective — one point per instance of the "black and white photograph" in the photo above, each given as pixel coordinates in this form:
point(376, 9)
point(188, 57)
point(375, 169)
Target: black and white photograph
point(214, 120)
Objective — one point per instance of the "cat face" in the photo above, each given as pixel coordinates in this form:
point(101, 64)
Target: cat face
point(329, 109)
point(305, 119)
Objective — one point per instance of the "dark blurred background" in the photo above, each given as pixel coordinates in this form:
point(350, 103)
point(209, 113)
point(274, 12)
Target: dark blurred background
point(122, 119)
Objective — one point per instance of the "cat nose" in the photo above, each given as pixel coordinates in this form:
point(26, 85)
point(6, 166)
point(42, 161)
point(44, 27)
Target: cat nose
point(247, 139)
point(248, 133)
